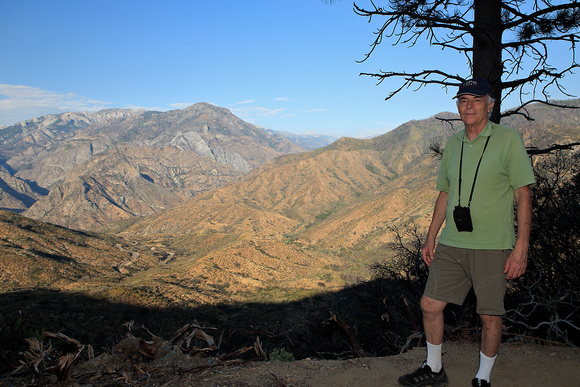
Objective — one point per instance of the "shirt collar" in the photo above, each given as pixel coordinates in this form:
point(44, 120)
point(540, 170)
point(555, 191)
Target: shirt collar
point(486, 132)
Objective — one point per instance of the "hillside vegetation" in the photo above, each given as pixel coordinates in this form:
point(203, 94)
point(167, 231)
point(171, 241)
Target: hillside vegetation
point(300, 223)
point(279, 249)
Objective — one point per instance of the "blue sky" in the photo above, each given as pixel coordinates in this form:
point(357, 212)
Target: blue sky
point(286, 65)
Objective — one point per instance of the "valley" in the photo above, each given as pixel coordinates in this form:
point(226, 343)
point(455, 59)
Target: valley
point(204, 217)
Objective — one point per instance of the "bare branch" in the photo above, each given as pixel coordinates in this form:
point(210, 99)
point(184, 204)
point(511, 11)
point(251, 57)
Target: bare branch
point(521, 110)
point(414, 19)
point(573, 38)
point(524, 18)
point(536, 151)
point(420, 79)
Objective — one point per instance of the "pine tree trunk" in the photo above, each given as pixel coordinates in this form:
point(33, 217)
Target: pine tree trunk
point(487, 48)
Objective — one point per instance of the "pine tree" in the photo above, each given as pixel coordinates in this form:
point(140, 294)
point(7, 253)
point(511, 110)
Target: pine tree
point(505, 42)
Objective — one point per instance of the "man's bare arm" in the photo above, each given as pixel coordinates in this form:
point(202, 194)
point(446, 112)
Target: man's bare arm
point(518, 260)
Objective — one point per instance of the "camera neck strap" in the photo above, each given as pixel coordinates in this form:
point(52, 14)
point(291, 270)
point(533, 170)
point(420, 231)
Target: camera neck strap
point(476, 170)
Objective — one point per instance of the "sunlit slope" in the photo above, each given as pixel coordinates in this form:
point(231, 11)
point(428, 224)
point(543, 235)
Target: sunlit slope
point(301, 224)
point(321, 197)
point(34, 254)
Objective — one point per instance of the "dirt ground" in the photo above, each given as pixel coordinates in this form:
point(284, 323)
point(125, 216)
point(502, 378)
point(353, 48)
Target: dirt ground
point(517, 365)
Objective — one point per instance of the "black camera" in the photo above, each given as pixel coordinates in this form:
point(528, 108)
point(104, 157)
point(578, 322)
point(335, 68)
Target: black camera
point(462, 217)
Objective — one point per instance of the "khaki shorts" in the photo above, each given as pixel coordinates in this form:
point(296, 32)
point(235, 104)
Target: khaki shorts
point(454, 271)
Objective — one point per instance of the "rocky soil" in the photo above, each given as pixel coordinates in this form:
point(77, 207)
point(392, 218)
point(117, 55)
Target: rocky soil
point(518, 364)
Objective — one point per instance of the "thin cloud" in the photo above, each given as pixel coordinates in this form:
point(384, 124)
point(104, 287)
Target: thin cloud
point(257, 111)
point(180, 105)
point(20, 103)
point(283, 99)
point(246, 101)
point(146, 108)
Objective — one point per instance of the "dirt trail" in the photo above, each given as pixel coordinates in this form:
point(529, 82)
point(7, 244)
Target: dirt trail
point(517, 365)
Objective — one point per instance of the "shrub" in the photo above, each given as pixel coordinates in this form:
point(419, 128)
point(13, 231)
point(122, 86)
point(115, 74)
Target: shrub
point(280, 354)
point(544, 302)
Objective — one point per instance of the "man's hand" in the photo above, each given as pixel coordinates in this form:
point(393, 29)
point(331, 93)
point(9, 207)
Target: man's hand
point(436, 222)
point(516, 263)
point(428, 252)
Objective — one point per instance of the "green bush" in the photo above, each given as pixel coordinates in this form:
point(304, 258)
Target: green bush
point(280, 354)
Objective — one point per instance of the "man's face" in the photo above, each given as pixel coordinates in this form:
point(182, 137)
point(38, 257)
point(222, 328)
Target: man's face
point(473, 110)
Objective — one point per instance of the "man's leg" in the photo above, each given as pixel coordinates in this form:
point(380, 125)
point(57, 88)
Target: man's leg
point(434, 325)
point(490, 340)
point(491, 334)
point(432, 372)
point(447, 280)
point(489, 283)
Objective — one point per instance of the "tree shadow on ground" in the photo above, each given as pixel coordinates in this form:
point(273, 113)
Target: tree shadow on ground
point(303, 328)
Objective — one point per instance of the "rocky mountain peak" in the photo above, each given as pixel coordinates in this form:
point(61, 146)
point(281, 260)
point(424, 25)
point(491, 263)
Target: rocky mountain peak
point(50, 151)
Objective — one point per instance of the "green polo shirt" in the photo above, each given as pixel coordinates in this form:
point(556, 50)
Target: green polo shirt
point(505, 167)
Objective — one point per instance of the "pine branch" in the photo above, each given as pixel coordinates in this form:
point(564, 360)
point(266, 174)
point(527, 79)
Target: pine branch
point(536, 151)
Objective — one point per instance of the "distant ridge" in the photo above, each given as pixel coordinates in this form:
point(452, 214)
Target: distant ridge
point(308, 141)
point(300, 225)
point(173, 155)
point(118, 164)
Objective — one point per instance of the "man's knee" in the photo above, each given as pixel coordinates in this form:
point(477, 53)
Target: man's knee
point(491, 320)
point(431, 306)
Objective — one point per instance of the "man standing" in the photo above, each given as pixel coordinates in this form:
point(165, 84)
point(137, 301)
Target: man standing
point(483, 169)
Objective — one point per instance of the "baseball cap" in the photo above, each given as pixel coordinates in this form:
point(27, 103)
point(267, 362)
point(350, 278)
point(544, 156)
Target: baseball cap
point(475, 86)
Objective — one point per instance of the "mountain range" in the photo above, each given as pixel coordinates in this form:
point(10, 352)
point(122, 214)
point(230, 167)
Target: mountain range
point(202, 171)
point(201, 212)
point(84, 169)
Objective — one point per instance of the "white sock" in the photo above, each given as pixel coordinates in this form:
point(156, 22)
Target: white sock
point(485, 366)
point(434, 356)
